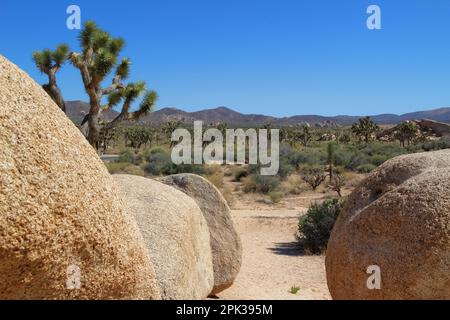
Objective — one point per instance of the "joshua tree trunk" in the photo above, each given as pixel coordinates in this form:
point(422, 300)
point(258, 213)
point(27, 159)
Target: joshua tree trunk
point(93, 132)
point(93, 135)
point(53, 91)
point(49, 63)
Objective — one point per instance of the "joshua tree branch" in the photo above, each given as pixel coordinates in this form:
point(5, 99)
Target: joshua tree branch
point(116, 84)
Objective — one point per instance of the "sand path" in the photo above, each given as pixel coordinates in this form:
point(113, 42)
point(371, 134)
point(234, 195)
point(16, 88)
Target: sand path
point(271, 262)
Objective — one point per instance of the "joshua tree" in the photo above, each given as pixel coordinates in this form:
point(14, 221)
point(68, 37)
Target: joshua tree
point(364, 128)
point(305, 136)
point(135, 137)
point(50, 62)
point(223, 127)
point(169, 128)
point(406, 132)
point(98, 58)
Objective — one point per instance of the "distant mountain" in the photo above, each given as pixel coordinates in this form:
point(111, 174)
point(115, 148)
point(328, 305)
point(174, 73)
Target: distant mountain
point(78, 109)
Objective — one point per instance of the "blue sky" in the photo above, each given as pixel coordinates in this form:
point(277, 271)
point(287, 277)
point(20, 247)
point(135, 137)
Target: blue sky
point(274, 57)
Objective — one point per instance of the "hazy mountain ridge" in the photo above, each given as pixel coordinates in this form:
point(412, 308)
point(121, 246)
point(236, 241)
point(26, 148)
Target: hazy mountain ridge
point(76, 110)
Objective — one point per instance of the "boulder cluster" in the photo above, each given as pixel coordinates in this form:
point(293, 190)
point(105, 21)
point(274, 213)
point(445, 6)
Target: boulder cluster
point(70, 230)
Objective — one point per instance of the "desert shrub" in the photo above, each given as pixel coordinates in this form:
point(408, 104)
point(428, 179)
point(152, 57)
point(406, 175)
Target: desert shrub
point(239, 174)
point(284, 169)
point(228, 173)
point(378, 159)
point(343, 156)
point(286, 151)
point(366, 168)
point(126, 157)
point(172, 168)
point(293, 185)
point(443, 143)
point(148, 152)
point(249, 184)
point(308, 156)
point(355, 161)
point(157, 163)
point(124, 168)
point(314, 176)
point(216, 179)
point(337, 183)
point(275, 197)
point(353, 156)
point(261, 184)
point(314, 228)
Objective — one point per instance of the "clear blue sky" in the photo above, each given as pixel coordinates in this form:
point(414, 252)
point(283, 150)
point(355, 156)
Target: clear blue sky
point(256, 56)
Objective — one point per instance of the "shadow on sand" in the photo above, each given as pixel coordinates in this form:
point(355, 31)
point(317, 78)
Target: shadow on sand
point(287, 249)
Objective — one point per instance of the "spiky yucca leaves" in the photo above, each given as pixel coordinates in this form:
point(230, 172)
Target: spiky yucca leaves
point(49, 62)
point(98, 58)
point(47, 59)
point(128, 95)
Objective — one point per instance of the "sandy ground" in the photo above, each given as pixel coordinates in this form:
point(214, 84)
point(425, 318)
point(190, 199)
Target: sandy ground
point(271, 262)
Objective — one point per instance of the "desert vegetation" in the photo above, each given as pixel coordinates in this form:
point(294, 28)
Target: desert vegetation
point(99, 57)
point(318, 167)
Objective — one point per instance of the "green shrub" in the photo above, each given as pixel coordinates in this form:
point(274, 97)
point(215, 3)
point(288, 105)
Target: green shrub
point(275, 197)
point(378, 159)
point(366, 168)
point(183, 168)
point(284, 169)
point(126, 157)
point(261, 184)
point(294, 290)
point(443, 143)
point(157, 163)
point(309, 156)
point(314, 228)
point(356, 160)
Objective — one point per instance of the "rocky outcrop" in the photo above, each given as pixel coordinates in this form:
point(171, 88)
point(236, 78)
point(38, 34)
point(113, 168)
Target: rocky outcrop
point(426, 130)
point(65, 232)
point(439, 128)
point(176, 235)
point(225, 241)
point(398, 219)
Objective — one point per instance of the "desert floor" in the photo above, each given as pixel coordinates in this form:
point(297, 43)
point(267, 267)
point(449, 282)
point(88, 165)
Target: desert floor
point(272, 264)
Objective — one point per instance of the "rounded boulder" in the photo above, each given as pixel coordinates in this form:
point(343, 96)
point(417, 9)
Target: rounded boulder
point(225, 241)
point(176, 235)
point(392, 240)
point(64, 230)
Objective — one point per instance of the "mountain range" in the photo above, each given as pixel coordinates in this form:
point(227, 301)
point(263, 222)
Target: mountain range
point(76, 110)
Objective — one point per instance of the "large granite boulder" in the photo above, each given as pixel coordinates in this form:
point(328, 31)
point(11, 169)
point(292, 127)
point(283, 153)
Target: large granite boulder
point(396, 225)
point(64, 230)
point(176, 235)
point(225, 241)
